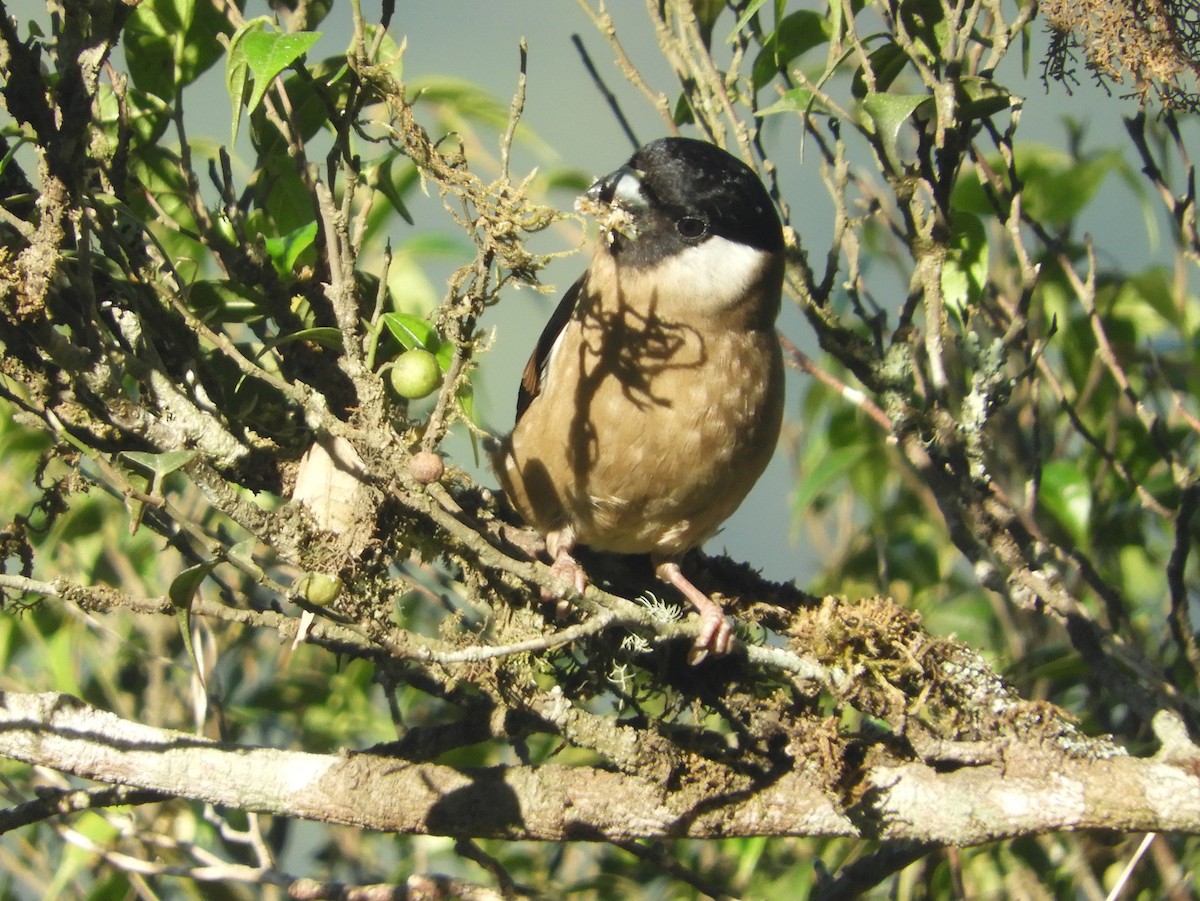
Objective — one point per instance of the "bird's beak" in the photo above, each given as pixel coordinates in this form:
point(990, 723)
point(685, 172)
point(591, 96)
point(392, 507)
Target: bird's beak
point(615, 201)
point(622, 188)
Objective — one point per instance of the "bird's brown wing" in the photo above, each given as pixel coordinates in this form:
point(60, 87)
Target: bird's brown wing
point(535, 370)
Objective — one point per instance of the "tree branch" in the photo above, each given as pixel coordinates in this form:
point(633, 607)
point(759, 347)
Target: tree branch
point(1037, 787)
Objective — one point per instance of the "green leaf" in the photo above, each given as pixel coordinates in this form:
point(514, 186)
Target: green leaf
point(260, 56)
point(445, 356)
point(747, 14)
point(466, 403)
point(1066, 494)
point(325, 86)
point(237, 68)
point(412, 331)
point(392, 186)
point(979, 98)
point(1149, 301)
point(281, 196)
point(286, 250)
point(794, 101)
point(157, 171)
point(15, 146)
point(913, 559)
point(242, 552)
point(145, 115)
point(1055, 186)
point(565, 178)
point(326, 336)
point(965, 269)
point(832, 464)
point(886, 115)
point(159, 466)
point(796, 34)
point(77, 861)
point(182, 591)
point(885, 64)
point(683, 114)
point(707, 12)
point(226, 301)
point(462, 97)
point(170, 43)
point(269, 54)
point(184, 586)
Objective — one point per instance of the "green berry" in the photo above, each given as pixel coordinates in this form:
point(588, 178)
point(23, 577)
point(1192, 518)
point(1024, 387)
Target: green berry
point(319, 589)
point(416, 374)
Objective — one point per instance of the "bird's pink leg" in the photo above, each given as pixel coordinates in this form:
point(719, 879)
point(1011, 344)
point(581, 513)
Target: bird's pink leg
point(565, 569)
point(716, 632)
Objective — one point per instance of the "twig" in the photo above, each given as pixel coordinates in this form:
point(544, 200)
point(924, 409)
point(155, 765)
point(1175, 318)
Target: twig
point(658, 854)
point(67, 801)
point(1123, 880)
point(609, 97)
point(341, 291)
point(798, 359)
point(224, 872)
point(1181, 619)
point(1085, 290)
point(514, 113)
point(469, 849)
point(867, 872)
point(604, 24)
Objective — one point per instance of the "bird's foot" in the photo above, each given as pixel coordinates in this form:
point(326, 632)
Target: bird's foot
point(716, 635)
point(568, 578)
point(716, 631)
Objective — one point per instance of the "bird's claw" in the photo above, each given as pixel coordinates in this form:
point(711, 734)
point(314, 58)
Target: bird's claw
point(568, 581)
point(716, 637)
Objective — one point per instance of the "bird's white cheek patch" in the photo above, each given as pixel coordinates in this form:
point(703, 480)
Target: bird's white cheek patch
point(713, 275)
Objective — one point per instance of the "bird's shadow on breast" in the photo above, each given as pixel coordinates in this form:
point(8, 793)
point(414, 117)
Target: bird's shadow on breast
point(638, 351)
point(635, 349)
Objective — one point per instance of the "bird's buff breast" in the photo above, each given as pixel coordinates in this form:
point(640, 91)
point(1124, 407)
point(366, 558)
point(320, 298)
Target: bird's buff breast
point(648, 434)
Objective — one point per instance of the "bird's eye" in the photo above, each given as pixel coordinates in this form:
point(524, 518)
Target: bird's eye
point(691, 227)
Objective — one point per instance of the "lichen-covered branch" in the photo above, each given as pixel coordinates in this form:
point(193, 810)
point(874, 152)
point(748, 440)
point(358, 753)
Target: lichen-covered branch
point(1029, 788)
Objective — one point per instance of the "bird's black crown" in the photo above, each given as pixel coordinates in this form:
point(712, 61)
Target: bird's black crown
point(683, 178)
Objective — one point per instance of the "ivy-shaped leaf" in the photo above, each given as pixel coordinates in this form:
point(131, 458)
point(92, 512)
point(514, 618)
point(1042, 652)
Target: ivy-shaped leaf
point(270, 54)
point(259, 56)
point(887, 113)
point(160, 465)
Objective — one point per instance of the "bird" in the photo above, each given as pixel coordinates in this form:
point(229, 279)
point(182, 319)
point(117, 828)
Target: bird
point(653, 400)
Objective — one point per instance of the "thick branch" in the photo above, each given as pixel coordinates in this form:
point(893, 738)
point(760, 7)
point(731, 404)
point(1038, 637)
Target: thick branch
point(1033, 789)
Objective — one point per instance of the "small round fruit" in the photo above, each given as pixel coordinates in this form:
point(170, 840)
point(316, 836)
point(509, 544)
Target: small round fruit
point(416, 374)
point(427, 467)
point(319, 589)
